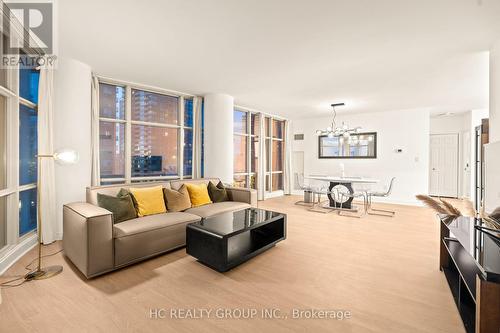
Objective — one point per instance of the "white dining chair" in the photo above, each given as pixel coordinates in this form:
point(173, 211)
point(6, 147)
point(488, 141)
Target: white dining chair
point(308, 191)
point(380, 194)
point(320, 188)
point(344, 196)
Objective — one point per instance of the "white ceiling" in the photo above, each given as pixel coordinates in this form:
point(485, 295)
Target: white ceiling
point(293, 57)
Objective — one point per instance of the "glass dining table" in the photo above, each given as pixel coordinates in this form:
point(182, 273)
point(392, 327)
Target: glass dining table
point(342, 185)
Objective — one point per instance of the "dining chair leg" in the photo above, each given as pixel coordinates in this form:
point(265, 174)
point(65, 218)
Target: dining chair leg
point(303, 202)
point(349, 215)
point(390, 213)
point(383, 212)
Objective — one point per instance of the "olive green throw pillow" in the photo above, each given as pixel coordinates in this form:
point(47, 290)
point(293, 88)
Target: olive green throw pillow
point(124, 192)
point(122, 207)
point(217, 193)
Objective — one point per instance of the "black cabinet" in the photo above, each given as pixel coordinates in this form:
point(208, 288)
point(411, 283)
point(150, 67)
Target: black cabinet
point(470, 261)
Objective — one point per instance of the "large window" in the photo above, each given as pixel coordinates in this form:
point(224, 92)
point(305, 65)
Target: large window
point(247, 150)
point(246, 147)
point(275, 130)
point(18, 150)
point(28, 149)
point(3, 171)
point(144, 135)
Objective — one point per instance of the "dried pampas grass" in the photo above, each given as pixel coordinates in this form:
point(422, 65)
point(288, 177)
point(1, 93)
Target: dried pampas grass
point(453, 211)
point(441, 206)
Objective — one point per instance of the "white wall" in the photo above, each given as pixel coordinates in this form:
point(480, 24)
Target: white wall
point(495, 92)
point(218, 136)
point(72, 121)
point(492, 178)
point(492, 150)
point(408, 130)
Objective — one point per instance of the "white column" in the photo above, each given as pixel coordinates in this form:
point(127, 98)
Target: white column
point(72, 118)
point(495, 92)
point(218, 137)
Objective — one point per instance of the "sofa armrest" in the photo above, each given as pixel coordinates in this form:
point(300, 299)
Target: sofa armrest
point(246, 195)
point(88, 237)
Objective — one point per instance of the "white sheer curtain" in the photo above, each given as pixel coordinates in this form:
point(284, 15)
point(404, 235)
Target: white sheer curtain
point(261, 181)
point(96, 178)
point(197, 140)
point(51, 231)
point(287, 174)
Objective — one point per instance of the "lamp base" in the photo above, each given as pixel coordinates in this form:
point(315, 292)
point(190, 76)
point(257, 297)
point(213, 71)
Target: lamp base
point(44, 273)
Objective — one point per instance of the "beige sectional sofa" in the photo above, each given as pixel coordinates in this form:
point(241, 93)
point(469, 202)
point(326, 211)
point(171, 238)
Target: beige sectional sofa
point(97, 246)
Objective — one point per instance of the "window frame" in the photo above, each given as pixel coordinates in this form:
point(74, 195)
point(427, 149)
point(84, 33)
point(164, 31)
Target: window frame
point(248, 151)
point(29, 186)
point(128, 179)
point(271, 139)
point(13, 189)
point(248, 174)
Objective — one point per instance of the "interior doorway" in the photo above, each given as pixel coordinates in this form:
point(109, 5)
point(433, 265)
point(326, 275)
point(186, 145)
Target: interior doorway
point(443, 175)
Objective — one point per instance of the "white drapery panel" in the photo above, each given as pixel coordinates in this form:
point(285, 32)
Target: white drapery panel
point(96, 176)
point(261, 180)
point(197, 140)
point(287, 171)
point(46, 181)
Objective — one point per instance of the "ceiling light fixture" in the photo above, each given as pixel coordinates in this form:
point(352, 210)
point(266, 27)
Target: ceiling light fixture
point(334, 131)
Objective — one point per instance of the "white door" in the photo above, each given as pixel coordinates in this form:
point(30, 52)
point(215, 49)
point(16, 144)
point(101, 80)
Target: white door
point(443, 176)
point(298, 167)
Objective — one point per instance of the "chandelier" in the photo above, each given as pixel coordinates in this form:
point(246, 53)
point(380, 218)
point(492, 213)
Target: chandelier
point(342, 130)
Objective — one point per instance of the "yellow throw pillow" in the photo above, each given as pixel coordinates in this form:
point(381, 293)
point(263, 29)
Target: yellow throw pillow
point(149, 200)
point(198, 194)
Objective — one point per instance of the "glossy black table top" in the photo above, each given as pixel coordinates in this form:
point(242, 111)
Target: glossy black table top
point(230, 223)
point(482, 246)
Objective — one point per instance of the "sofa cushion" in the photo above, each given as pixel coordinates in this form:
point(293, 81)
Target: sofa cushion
point(176, 184)
point(151, 222)
point(177, 201)
point(198, 194)
point(149, 200)
point(217, 208)
point(115, 189)
point(122, 207)
point(217, 193)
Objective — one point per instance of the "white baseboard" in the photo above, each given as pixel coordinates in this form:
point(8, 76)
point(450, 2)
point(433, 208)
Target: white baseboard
point(12, 255)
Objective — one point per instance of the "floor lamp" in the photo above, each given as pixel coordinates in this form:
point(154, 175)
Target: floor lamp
point(63, 156)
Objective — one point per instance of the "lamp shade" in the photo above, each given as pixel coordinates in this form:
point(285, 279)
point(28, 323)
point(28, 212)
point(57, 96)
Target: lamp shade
point(66, 156)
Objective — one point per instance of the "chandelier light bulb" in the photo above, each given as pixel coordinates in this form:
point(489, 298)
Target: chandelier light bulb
point(342, 131)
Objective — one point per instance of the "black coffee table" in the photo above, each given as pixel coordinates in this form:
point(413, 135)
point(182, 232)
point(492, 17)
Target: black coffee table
point(226, 240)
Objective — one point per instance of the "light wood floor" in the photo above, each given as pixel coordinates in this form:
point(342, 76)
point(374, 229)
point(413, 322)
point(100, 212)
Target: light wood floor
point(383, 270)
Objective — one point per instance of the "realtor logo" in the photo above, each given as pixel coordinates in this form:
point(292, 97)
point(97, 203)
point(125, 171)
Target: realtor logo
point(29, 29)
